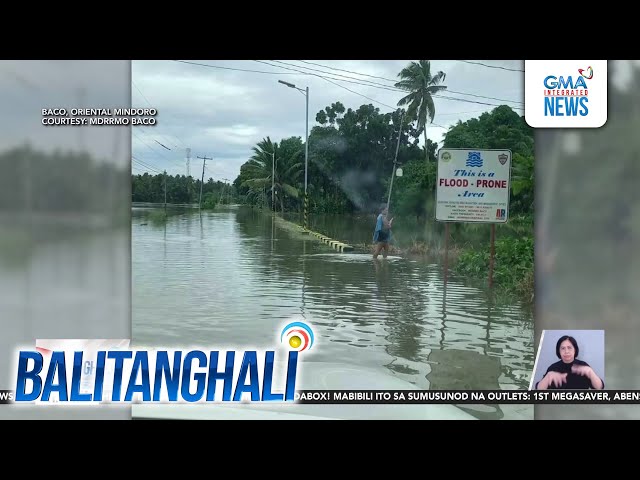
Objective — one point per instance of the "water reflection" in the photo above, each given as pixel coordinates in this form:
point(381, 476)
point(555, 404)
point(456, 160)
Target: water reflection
point(243, 274)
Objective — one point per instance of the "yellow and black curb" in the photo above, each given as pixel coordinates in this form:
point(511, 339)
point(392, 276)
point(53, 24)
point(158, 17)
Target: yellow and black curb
point(335, 244)
point(339, 246)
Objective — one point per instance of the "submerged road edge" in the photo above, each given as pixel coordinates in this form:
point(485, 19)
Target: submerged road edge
point(335, 244)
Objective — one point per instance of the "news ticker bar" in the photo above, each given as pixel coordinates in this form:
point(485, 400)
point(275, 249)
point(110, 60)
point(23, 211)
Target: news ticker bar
point(427, 397)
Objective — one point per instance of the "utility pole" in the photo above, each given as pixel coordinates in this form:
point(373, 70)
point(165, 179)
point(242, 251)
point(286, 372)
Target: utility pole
point(306, 142)
point(202, 181)
point(188, 162)
point(228, 185)
point(306, 163)
point(273, 176)
point(395, 161)
point(221, 193)
point(165, 190)
point(305, 92)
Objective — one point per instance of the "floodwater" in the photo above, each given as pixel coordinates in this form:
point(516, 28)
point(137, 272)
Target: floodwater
point(61, 278)
point(234, 276)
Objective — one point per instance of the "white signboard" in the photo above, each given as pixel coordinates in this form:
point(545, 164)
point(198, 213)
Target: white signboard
point(473, 185)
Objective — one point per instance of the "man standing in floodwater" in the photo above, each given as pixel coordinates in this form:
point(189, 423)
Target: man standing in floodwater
point(382, 233)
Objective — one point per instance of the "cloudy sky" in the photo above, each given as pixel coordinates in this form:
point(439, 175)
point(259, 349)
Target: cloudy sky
point(221, 109)
point(28, 86)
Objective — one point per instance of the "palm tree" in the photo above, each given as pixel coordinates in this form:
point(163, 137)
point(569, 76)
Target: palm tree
point(260, 167)
point(417, 79)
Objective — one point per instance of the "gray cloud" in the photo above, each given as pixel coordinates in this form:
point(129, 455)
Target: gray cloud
point(28, 86)
point(221, 112)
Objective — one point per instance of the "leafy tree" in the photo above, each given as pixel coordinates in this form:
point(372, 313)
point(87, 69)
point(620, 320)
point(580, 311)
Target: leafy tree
point(502, 128)
point(274, 166)
point(417, 79)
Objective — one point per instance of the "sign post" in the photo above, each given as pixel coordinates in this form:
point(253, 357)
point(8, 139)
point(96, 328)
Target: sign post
point(473, 186)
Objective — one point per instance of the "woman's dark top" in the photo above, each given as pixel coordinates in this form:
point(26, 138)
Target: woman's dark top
point(574, 381)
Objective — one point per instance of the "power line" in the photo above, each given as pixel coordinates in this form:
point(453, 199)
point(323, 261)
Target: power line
point(139, 91)
point(140, 163)
point(338, 85)
point(492, 66)
point(400, 89)
point(484, 96)
point(147, 134)
point(231, 68)
point(143, 96)
point(218, 174)
point(437, 95)
point(382, 78)
point(393, 89)
point(388, 106)
point(461, 113)
point(347, 71)
point(143, 164)
point(360, 82)
point(162, 145)
point(150, 104)
point(151, 148)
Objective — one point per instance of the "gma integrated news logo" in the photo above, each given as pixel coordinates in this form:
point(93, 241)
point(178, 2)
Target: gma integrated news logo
point(565, 93)
point(67, 374)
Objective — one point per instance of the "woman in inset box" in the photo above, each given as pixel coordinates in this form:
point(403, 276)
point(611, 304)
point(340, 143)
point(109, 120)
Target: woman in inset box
point(569, 373)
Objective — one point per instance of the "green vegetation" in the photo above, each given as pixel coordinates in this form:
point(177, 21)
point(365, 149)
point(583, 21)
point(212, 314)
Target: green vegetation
point(158, 217)
point(514, 259)
point(513, 265)
point(351, 154)
point(180, 190)
point(62, 183)
point(46, 197)
point(351, 160)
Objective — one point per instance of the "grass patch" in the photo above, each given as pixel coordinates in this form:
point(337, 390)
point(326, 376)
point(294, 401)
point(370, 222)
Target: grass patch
point(158, 217)
point(513, 270)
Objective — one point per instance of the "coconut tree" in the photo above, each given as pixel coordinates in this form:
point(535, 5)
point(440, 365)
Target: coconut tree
point(289, 169)
point(416, 78)
point(273, 166)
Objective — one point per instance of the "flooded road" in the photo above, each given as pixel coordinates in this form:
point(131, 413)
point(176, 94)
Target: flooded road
point(231, 277)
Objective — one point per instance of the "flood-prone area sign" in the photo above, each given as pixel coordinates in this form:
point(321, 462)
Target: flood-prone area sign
point(473, 185)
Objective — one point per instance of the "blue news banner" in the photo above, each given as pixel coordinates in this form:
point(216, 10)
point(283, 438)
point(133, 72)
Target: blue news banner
point(426, 397)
